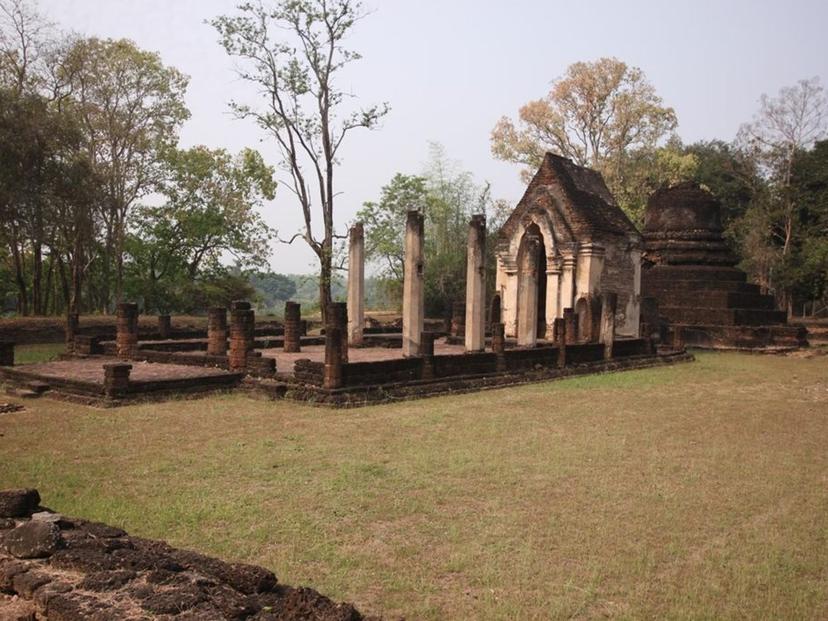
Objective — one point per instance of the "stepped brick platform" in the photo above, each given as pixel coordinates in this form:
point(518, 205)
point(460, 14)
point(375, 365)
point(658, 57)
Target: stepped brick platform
point(108, 381)
point(690, 270)
point(58, 568)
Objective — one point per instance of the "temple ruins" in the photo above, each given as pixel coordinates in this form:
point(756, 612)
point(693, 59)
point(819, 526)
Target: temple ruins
point(691, 273)
point(573, 295)
point(565, 245)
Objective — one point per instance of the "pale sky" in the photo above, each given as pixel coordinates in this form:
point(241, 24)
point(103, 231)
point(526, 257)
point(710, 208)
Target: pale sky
point(449, 69)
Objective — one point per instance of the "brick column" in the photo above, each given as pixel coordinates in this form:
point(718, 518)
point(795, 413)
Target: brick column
point(570, 325)
point(126, 329)
point(609, 304)
point(242, 322)
point(427, 341)
point(164, 326)
point(116, 379)
point(6, 354)
point(217, 331)
point(293, 327)
point(72, 324)
point(338, 317)
point(476, 284)
point(499, 344)
point(356, 284)
point(333, 358)
point(413, 292)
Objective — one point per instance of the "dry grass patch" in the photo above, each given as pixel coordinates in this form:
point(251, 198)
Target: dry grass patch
point(698, 491)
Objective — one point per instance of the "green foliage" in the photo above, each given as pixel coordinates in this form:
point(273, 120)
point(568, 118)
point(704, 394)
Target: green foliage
point(448, 197)
point(210, 212)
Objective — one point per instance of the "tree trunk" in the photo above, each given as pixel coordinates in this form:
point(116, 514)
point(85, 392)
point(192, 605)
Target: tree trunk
point(20, 280)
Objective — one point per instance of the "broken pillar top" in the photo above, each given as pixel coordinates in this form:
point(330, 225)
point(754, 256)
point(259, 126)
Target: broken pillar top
point(239, 305)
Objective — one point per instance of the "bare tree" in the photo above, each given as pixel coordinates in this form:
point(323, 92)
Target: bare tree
point(783, 127)
point(786, 124)
point(292, 52)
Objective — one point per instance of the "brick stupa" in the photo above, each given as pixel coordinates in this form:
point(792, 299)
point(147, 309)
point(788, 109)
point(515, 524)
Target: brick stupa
point(690, 270)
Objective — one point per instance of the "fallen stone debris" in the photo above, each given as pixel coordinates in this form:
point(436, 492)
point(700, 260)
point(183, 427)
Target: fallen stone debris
point(58, 568)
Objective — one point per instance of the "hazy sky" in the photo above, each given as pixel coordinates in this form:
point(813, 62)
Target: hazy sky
point(450, 68)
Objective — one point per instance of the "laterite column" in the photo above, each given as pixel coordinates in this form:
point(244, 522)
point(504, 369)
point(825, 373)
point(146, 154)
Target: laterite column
point(476, 284)
point(116, 379)
point(413, 292)
point(499, 344)
point(458, 319)
point(338, 318)
point(356, 284)
point(126, 329)
point(164, 326)
point(427, 340)
point(333, 358)
point(293, 327)
point(242, 322)
point(570, 325)
point(6, 354)
point(609, 304)
point(72, 324)
point(527, 304)
point(217, 331)
point(560, 340)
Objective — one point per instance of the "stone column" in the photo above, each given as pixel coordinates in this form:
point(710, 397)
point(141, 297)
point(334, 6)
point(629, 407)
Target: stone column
point(164, 326)
point(242, 323)
point(293, 327)
point(356, 284)
point(338, 318)
point(217, 331)
point(570, 325)
point(413, 293)
point(427, 341)
point(567, 286)
point(476, 284)
point(609, 304)
point(72, 324)
point(6, 354)
point(116, 379)
point(458, 319)
point(527, 302)
point(126, 329)
point(333, 357)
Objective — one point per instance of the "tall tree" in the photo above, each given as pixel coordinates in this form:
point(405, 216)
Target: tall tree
point(293, 51)
point(131, 106)
point(784, 126)
point(602, 114)
point(211, 212)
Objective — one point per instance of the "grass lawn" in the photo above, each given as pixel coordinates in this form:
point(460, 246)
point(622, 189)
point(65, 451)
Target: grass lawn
point(698, 491)
point(43, 352)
